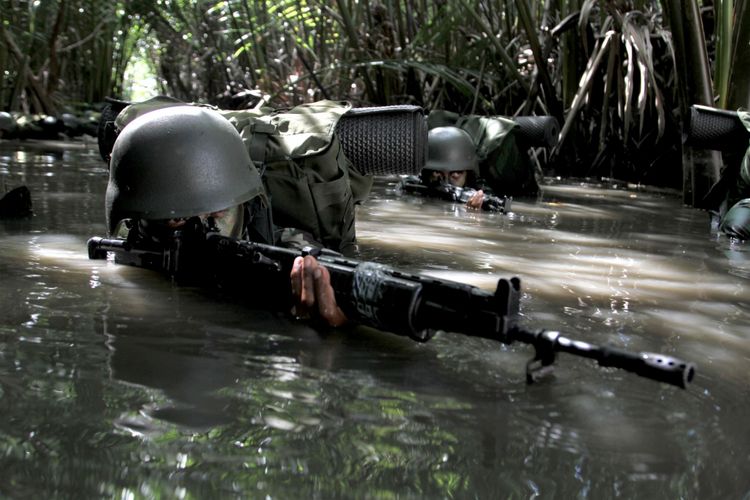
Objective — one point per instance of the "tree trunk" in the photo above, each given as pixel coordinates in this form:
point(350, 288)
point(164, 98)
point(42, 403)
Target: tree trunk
point(700, 167)
point(739, 88)
point(36, 91)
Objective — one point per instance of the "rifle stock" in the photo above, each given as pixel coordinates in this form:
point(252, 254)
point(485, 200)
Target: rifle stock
point(386, 298)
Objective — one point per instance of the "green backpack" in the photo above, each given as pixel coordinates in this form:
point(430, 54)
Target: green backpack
point(502, 164)
point(312, 186)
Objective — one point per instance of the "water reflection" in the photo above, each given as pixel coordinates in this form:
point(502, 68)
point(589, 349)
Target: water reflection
point(738, 257)
point(115, 382)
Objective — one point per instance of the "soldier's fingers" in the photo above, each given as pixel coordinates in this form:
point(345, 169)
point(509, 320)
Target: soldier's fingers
point(476, 200)
point(295, 277)
point(299, 309)
point(307, 295)
point(326, 298)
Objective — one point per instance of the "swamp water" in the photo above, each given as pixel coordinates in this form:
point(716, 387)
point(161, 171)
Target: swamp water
point(115, 383)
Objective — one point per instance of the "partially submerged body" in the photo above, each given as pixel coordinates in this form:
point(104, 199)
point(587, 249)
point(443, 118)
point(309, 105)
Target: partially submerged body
point(452, 172)
point(184, 165)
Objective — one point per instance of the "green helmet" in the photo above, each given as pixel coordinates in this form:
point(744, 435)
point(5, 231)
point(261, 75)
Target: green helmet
point(177, 162)
point(451, 148)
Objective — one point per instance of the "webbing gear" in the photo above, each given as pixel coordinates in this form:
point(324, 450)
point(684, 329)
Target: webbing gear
point(256, 146)
point(312, 184)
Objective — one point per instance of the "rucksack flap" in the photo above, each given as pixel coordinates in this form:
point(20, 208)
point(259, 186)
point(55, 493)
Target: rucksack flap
point(311, 183)
point(317, 194)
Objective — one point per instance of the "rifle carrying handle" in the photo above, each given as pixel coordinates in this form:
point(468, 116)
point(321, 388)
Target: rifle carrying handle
point(717, 129)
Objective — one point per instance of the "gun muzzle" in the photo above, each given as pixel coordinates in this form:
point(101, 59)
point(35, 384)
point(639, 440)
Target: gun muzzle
point(95, 249)
point(650, 365)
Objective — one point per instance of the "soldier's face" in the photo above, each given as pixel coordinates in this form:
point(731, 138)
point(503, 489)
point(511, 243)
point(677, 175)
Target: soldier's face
point(229, 221)
point(454, 177)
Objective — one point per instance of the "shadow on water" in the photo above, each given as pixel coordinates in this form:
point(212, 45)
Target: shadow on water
point(115, 382)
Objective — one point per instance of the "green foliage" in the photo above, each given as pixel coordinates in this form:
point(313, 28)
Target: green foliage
point(621, 96)
point(725, 12)
point(605, 68)
point(693, 86)
point(738, 87)
point(58, 51)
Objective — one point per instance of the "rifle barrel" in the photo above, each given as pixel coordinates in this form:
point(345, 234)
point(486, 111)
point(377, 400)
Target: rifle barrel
point(659, 367)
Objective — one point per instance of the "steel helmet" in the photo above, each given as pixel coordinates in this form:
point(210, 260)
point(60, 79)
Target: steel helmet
point(451, 148)
point(176, 162)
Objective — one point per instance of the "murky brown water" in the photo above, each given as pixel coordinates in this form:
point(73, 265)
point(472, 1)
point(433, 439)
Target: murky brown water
point(115, 383)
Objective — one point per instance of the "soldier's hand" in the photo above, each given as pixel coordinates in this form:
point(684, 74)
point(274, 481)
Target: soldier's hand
point(476, 200)
point(313, 293)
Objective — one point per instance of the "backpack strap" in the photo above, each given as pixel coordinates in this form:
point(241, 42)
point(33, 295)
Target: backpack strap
point(256, 147)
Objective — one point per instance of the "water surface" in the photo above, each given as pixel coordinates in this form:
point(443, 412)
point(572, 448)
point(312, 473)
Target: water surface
point(116, 383)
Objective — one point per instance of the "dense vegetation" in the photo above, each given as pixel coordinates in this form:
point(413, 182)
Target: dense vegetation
point(618, 74)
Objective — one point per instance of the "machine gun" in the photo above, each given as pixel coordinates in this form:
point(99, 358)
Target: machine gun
point(449, 192)
point(379, 296)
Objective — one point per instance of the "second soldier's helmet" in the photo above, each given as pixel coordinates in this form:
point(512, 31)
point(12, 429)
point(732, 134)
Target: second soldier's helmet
point(451, 148)
point(178, 162)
